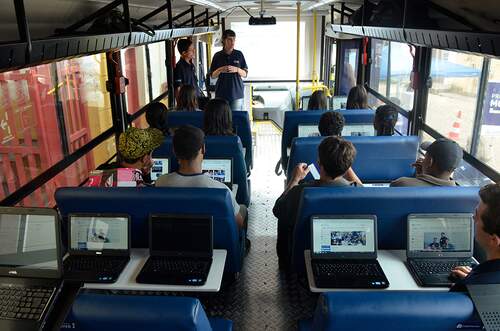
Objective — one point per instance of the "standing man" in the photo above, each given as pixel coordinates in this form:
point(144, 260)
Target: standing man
point(185, 72)
point(229, 66)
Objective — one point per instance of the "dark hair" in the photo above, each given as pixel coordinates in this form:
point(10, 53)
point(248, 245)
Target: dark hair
point(357, 98)
point(218, 119)
point(187, 142)
point(317, 101)
point(331, 123)
point(385, 119)
point(228, 33)
point(490, 196)
point(156, 116)
point(187, 98)
point(336, 155)
point(183, 45)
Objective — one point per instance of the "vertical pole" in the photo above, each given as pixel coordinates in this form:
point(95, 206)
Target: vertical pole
point(23, 27)
point(423, 57)
point(297, 67)
point(169, 14)
point(126, 14)
point(342, 13)
point(206, 17)
point(223, 23)
point(192, 16)
point(115, 96)
point(314, 77)
point(332, 7)
point(476, 133)
point(322, 56)
point(218, 18)
point(149, 74)
point(170, 72)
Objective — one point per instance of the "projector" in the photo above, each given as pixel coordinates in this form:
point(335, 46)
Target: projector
point(262, 20)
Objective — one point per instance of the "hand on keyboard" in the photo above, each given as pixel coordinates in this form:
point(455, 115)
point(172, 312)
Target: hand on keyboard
point(460, 272)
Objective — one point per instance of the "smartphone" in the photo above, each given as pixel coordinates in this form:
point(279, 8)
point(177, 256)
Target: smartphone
point(314, 171)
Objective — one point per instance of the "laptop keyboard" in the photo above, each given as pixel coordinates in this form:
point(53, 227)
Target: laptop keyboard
point(26, 303)
point(91, 263)
point(177, 266)
point(428, 267)
point(353, 269)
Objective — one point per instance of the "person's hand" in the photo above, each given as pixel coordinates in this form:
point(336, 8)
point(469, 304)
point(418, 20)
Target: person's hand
point(461, 272)
point(418, 165)
point(147, 164)
point(300, 172)
point(232, 69)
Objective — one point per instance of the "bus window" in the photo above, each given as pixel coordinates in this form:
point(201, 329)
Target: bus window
point(349, 70)
point(158, 57)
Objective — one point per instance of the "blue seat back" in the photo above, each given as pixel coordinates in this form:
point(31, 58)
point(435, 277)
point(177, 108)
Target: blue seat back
point(241, 124)
point(217, 146)
point(391, 205)
point(294, 118)
point(140, 202)
point(378, 159)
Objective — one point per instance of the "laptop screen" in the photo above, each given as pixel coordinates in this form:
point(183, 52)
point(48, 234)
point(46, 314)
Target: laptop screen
point(218, 169)
point(357, 130)
point(28, 241)
point(345, 234)
point(91, 233)
point(160, 167)
point(173, 235)
point(441, 233)
point(308, 130)
point(339, 102)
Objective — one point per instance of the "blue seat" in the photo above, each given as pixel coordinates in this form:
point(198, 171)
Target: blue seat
point(241, 124)
point(391, 205)
point(378, 159)
point(390, 311)
point(217, 146)
point(294, 118)
point(140, 202)
point(105, 312)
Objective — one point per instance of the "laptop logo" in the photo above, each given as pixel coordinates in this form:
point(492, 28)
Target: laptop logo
point(98, 253)
point(12, 272)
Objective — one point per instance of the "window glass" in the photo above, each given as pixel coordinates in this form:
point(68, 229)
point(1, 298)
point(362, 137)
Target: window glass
point(451, 105)
point(157, 56)
point(379, 65)
point(349, 70)
point(488, 148)
point(135, 69)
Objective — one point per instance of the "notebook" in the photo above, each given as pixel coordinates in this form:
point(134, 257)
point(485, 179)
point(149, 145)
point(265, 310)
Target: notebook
point(30, 266)
point(181, 250)
point(161, 166)
point(344, 252)
point(99, 247)
point(220, 169)
point(437, 243)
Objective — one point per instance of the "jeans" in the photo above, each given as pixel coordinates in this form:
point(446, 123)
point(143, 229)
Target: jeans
point(236, 105)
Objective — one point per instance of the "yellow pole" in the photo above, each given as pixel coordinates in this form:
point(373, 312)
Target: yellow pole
point(297, 81)
point(314, 73)
point(209, 50)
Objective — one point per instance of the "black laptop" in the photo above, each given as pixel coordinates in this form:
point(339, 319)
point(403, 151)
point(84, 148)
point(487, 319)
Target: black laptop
point(436, 244)
point(99, 247)
point(344, 252)
point(181, 250)
point(30, 267)
point(220, 169)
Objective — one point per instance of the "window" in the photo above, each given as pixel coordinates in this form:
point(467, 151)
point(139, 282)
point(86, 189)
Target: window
point(452, 99)
point(135, 69)
point(157, 56)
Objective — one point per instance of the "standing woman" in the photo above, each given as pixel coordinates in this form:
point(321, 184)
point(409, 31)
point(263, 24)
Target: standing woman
point(229, 66)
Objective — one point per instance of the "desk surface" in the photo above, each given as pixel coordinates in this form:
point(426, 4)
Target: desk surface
point(392, 262)
point(138, 258)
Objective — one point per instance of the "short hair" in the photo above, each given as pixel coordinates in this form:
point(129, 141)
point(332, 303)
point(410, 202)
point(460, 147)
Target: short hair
point(385, 120)
point(156, 116)
point(331, 123)
point(218, 119)
point(183, 45)
point(187, 142)
point(228, 33)
point(336, 155)
point(187, 98)
point(357, 98)
point(317, 101)
point(490, 196)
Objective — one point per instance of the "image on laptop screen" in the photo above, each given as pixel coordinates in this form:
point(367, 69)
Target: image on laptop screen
point(218, 169)
point(308, 130)
point(428, 233)
point(160, 167)
point(28, 241)
point(343, 235)
point(97, 233)
point(358, 130)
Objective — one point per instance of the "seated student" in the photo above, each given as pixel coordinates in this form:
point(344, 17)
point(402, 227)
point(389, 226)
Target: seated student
point(318, 101)
point(335, 157)
point(331, 123)
point(218, 119)
point(385, 120)
point(156, 116)
point(435, 169)
point(187, 100)
point(189, 149)
point(357, 98)
point(135, 148)
point(487, 235)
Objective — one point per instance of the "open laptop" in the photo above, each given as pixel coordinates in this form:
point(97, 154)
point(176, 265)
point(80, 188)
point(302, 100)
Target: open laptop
point(344, 252)
point(181, 250)
point(308, 130)
point(220, 169)
point(358, 130)
point(437, 243)
point(339, 102)
point(161, 166)
point(99, 247)
point(30, 267)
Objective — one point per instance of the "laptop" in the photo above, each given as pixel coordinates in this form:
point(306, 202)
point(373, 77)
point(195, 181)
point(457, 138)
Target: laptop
point(344, 252)
point(99, 247)
point(305, 130)
point(437, 243)
point(339, 102)
point(220, 169)
point(181, 250)
point(160, 167)
point(30, 267)
point(358, 130)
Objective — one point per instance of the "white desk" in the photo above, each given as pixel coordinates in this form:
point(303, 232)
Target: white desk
point(392, 263)
point(138, 258)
